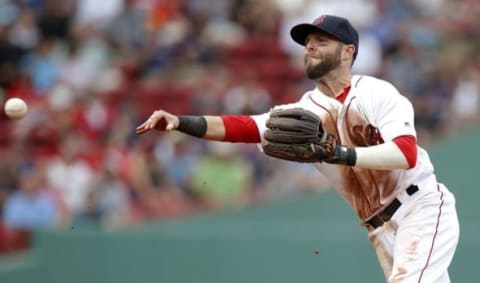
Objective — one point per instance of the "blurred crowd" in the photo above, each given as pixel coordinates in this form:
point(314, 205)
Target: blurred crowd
point(92, 70)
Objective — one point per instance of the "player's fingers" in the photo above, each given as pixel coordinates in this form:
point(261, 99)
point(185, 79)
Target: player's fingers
point(146, 126)
point(150, 123)
point(140, 129)
point(159, 120)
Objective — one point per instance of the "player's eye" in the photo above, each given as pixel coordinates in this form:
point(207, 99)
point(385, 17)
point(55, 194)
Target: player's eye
point(316, 40)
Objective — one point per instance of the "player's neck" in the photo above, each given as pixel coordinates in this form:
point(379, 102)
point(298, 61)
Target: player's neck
point(334, 85)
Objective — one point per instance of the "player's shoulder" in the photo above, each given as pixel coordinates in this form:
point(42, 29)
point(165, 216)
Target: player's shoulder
point(305, 98)
point(369, 87)
point(367, 83)
point(310, 99)
point(372, 90)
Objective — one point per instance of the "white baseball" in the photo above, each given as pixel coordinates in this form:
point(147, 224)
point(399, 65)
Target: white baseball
point(16, 108)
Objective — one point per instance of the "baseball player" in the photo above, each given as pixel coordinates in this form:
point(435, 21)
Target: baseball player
point(362, 136)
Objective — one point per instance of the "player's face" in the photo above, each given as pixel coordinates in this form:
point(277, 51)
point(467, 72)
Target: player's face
point(322, 54)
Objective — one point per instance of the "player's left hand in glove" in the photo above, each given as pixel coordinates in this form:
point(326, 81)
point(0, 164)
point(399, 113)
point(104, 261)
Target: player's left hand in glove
point(297, 135)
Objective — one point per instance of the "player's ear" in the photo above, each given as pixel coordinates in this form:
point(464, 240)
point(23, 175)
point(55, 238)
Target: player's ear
point(348, 51)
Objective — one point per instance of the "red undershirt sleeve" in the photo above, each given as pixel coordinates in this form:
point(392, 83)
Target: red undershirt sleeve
point(240, 128)
point(408, 146)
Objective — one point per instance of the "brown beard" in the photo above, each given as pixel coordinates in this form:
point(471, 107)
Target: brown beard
point(329, 62)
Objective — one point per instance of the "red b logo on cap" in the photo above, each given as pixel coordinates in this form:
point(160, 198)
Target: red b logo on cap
point(319, 20)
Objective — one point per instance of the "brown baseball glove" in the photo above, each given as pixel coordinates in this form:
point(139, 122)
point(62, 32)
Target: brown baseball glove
point(297, 135)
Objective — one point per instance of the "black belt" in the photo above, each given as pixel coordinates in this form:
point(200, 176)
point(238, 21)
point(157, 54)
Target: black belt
point(387, 213)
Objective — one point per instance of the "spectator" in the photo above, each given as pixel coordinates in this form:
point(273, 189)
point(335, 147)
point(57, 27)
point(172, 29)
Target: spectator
point(70, 175)
point(248, 96)
point(110, 199)
point(10, 55)
point(465, 106)
point(33, 205)
point(42, 64)
point(24, 32)
point(223, 179)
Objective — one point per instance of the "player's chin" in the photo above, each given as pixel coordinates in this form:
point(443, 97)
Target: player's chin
point(312, 72)
point(311, 64)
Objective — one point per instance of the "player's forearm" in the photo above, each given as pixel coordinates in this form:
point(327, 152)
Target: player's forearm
point(387, 156)
point(227, 128)
point(206, 127)
point(215, 128)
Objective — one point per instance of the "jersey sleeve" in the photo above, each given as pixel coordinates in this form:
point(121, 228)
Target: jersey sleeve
point(261, 121)
point(389, 111)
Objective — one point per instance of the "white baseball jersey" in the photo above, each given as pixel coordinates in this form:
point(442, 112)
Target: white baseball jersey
point(372, 113)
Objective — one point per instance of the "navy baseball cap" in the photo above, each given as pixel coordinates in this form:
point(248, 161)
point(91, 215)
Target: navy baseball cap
point(335, 26)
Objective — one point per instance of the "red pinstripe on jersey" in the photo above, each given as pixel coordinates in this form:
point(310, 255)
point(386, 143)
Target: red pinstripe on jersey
point(434, 235)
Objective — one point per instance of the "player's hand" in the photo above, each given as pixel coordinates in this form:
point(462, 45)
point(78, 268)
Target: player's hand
point(159, 120)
